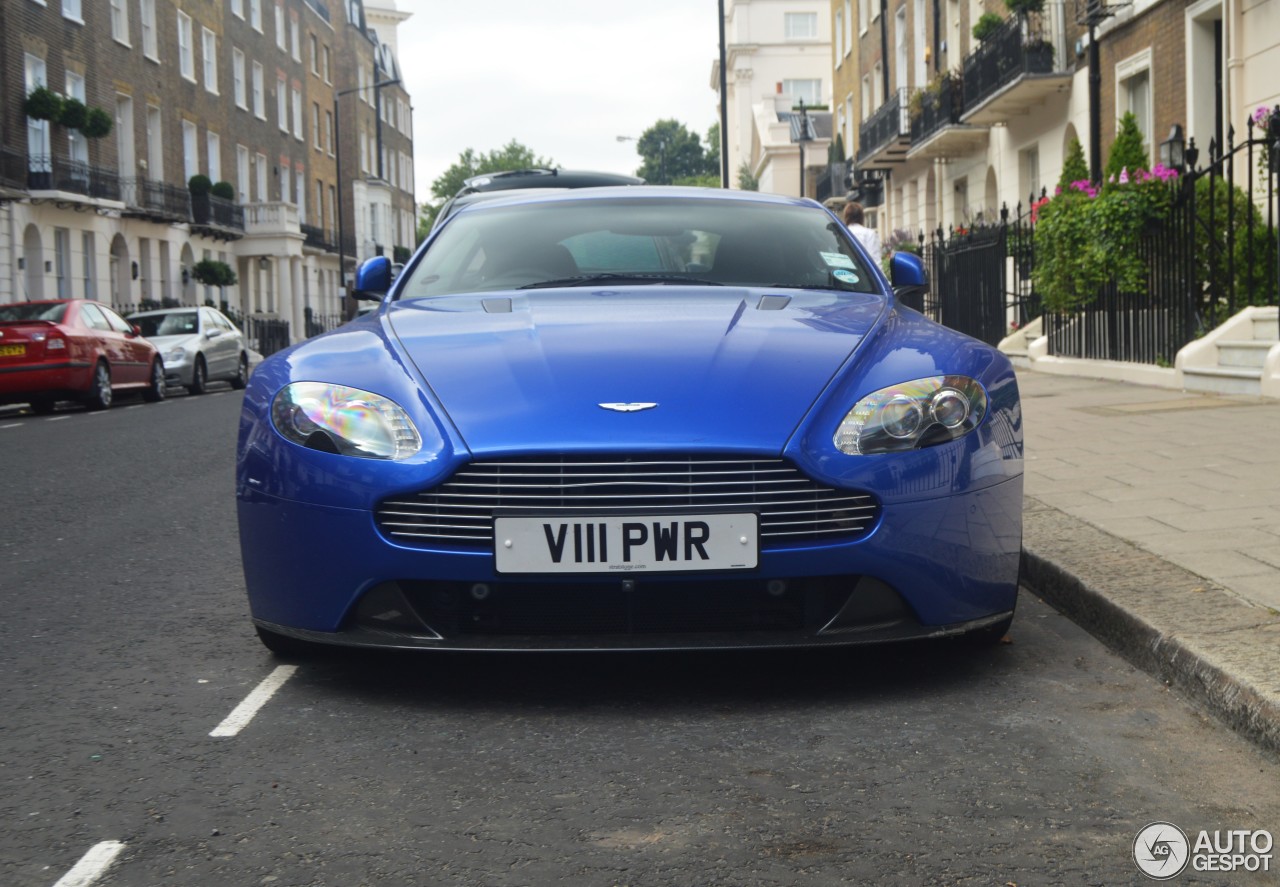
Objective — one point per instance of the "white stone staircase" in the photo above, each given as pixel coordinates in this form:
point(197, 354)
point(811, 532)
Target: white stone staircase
point(1240, 357)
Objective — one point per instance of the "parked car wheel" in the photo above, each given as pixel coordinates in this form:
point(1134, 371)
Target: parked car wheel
point(156, 389)
point(242, 373)
point(199, 376)
point(99, 396)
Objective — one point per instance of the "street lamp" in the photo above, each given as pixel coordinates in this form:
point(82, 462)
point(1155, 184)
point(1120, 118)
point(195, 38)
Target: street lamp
point(1173, 149)
point(337, 138)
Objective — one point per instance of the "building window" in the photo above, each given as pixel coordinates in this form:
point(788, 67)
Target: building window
point(300, 194)
point(864, 15)
point(295, 41)
point(319, 203)
point(214, 145)
point(71, 10)
point(237, 74)
point(839, 29)
point(1030, 164)
point(120, 21)
point(155, 145)
point(190, 150)
point(848, 27)
point(77, 144)
point(284, 181)
point(88, 257)
point(324, 64)
point(150, 49)
point(259, 92)
point(810, 91)
point(209, 46)
point(260, 161)
point(1133, 93)
point(255, 15)
point(801, 25)
point(315, 53)
point(237, 8)
point(282, 104)
point(186, 51)
point(866, 97)
point(242, 173)
point(281, 36)
point(315, 125)
point(296, 95)
point(328, 133)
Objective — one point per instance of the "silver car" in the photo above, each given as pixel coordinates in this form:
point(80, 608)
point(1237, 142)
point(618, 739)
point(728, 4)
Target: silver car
point(198, 345)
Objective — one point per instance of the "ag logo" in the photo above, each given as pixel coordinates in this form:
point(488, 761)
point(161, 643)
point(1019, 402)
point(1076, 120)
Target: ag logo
point(1161, 851)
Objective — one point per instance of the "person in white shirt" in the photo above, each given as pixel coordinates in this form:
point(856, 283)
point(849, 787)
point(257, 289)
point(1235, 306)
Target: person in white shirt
point(870, 240)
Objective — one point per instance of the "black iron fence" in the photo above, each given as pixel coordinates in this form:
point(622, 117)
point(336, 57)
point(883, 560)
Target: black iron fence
point(937, 107)
point(266, 335)
point(49, 172)
point(890, 122)
point(1017, 48)
point(1216, 251)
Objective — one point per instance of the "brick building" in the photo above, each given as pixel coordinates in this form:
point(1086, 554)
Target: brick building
point(237, 91)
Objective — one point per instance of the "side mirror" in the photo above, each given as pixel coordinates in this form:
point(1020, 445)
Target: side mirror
point(909, 279)
point(373, 279)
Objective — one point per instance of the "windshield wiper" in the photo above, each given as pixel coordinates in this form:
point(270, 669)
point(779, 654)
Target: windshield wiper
point(637, 277)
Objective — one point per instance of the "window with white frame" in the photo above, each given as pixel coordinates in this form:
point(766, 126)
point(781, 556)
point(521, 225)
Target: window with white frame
point(328, 133)
point(237, 8)
point(259, 92)
point(242, 173)
point(839, 29)
point(237, 75)
point(1029, 167)
point(296, 96)
point(300, 193)
point(77, 144)
point(877, 86)
point(155, 144)
point(315, 53)
point(864, 15)
point(866, 96)
point(801, 25)
point(315, 125)
point(319, 206)
point(284, 182)
point(150, 45)
point(88, 258)
point(255, 15)
point(808, 90)
point(209, 47)
point(282, 104)
point(186, 47)
point(1133, 93)
point(71, 10)
point(324, 63)
point(190, 150)
point(260, 164)
point(120, 21)
point(213, 144)
point(848, 27)
point(295, 40)
point(364, 154)
point(281, 34)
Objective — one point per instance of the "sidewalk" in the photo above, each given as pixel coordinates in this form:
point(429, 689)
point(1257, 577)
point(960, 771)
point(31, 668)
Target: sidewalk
point(1153, 520)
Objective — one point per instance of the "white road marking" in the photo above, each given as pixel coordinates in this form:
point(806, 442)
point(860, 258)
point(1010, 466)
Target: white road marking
point(92, 865)
point(57, 418)
point(14, 425)
point(244, 712)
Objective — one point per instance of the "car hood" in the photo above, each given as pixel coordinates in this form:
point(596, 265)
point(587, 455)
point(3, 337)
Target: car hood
point(166, 343)
point(732, 368)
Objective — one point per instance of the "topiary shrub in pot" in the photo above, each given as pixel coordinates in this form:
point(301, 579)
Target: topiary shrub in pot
point(42, 103)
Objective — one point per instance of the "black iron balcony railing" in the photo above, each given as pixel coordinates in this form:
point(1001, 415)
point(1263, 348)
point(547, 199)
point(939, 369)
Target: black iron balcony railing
point(13, 169)
point(889, 124)
point(156, 199)
point(318, 238)
point(49, 172)
point(1019, 47)
point(833, 181)
point(939, 108)
point(217, 212)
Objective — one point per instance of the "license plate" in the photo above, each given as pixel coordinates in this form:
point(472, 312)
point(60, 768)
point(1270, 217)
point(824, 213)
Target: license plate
point(12, 350)
point(634, 543)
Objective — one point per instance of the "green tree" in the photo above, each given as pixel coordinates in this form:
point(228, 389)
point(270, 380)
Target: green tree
point(512, 155)
point(746, 181)
point(713, 150)
point(673, 155)
point(1128, 151)
point(1074, 168)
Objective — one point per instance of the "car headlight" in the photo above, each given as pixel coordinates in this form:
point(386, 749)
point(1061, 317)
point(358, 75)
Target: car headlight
point(912, 415)
point(176, 355)
point(345, 421)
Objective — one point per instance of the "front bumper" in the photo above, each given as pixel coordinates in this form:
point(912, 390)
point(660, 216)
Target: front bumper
point(931, 568)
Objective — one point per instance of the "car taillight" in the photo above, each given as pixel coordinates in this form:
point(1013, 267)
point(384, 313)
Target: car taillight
point(55, 343)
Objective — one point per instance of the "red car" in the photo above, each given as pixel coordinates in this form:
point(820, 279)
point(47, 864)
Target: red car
point(73, 349)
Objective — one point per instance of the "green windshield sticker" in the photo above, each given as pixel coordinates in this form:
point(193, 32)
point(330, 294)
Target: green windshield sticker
point(837, 260)
point(844, 276)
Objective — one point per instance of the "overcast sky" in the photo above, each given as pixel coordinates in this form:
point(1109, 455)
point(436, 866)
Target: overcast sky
point(564, 78)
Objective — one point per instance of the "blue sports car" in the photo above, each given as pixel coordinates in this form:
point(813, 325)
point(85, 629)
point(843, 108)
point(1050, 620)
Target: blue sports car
point(632, 418)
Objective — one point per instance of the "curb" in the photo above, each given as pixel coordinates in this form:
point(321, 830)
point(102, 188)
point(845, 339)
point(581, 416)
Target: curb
point(1193, 635)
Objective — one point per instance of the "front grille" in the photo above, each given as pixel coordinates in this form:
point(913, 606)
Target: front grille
point(792, 507)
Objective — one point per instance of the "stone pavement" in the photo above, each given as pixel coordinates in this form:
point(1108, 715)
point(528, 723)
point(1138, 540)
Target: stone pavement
point(1153, 519)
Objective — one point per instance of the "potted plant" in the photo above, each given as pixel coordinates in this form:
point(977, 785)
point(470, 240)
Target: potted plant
point(42, 103)
point(988, 24)
point(1022, 8)
point(97, 124)
point(1039, 56)
point(199, 185)
point(73, 114)
point(223, 191)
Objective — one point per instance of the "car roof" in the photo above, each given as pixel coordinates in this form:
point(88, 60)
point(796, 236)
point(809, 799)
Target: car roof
point(649, 192)
point(170, 310)
point(544, 178)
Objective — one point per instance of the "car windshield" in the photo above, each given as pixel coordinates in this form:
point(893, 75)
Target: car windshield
point(176, 323)
point(654, 241)
point(52, 311)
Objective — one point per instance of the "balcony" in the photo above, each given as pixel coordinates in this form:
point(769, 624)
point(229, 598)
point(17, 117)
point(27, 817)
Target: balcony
point(47, 173)
point(1018, 68)
point(156, 201)
point(936, 128)
point(13, 172)
point(216, 217)
point(885, 136)
point(317, 238)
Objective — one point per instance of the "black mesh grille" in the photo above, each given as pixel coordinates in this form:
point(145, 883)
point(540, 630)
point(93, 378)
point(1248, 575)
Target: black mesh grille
point(792, 507)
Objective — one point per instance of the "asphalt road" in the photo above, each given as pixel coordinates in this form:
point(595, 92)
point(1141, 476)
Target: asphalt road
point(126, 642)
